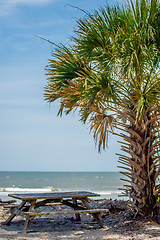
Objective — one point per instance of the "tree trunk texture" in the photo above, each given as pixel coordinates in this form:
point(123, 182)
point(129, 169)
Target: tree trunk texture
point(141, 160)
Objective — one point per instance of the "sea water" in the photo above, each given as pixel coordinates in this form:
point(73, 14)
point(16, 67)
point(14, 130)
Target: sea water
point(106, 184)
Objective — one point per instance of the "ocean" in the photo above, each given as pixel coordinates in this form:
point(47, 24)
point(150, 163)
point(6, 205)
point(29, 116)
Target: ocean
point(104, 183)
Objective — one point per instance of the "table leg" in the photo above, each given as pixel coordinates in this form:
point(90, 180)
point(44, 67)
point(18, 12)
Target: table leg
point(78, 218)
point(7, 222)
point(95, 215)
point(31, 208)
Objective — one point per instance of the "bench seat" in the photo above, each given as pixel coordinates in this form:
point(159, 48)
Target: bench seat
point(28, 205)
point(32, 214)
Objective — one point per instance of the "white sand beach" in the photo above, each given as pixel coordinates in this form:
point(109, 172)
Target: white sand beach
point(119, 222)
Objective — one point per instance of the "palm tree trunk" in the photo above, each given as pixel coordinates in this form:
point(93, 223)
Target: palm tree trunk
point(142, 160)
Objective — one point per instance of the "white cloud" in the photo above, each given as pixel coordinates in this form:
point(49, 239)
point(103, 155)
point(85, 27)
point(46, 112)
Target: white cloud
point(24, 2)
point(8, 6)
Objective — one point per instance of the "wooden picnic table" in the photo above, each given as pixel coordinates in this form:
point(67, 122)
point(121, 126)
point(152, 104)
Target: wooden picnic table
point(77, 200)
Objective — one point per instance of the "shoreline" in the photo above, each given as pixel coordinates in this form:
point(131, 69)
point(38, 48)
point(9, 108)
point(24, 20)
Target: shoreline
point(119, 222)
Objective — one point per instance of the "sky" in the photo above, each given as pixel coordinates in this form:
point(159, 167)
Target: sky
point(33, 138)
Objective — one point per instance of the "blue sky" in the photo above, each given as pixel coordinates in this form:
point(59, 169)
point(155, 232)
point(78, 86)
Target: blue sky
point(33, 138)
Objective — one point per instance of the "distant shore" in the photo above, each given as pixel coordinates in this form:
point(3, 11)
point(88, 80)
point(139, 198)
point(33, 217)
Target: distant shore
point(119, 222)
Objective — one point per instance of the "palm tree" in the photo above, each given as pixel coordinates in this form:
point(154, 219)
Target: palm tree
point(110, 74)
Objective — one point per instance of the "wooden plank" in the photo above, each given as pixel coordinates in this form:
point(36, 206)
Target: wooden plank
point(53, 195)
point(4, 203)
point(15, 205)
point(67, 212)
point(53, 204)
point(28, 205)
point(11, 206)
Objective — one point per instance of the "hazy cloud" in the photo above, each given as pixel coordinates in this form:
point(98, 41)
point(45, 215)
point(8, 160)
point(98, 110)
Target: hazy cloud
point(8, 6)
point(24, 2)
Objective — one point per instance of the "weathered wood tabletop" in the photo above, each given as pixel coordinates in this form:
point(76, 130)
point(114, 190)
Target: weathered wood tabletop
point(77, 200)
point(53, 195)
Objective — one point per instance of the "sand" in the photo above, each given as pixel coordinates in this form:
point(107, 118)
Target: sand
point(119, 222)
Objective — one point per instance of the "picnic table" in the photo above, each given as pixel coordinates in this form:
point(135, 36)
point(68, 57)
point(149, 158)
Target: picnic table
point(78, 201)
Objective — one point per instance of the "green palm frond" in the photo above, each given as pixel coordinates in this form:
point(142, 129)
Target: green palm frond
point(112, 60)
point(65, 65)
